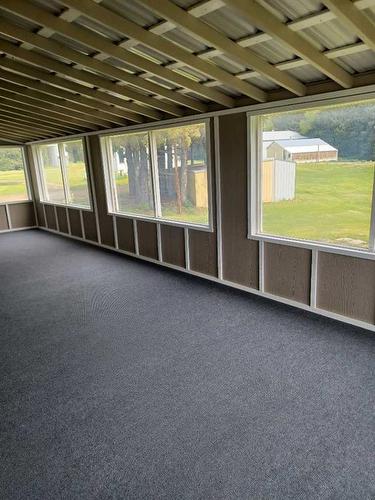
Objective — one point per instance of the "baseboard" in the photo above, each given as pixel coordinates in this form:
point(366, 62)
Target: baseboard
point(12, 230)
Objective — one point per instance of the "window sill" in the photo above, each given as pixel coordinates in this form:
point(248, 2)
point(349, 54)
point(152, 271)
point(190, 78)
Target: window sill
point(310, 245)
point(77, 207)
point(168, 222)
point(2, 203)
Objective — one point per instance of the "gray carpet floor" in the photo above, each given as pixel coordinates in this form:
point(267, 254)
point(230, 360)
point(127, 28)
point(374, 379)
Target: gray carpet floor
point(121, 379)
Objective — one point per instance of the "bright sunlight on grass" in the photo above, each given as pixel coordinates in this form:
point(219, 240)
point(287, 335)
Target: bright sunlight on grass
point(332, 204)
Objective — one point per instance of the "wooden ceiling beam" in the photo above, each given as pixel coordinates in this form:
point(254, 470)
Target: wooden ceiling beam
point(107, 18)
point(24, 127)
point(55, 92)
point(58, 105)
point(269, 23)
point(354, 19)
point(57, 49)
point(97, 99)
point(42, 124)
point(90, 78)
point(102, 44)
point(212, 37)
point(34, 112)
point(10, 94)
point(11, 142)
point(22, 136)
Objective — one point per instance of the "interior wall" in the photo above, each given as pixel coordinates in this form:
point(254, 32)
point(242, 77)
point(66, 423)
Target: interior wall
point(329, 282)
point(17, 215)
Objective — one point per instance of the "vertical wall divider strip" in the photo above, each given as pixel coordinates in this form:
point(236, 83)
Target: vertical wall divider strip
point(68, 220)
point(56, 218)
point(187, 248)
point(7, 213)
point(372, 223)
point(159, 242)
point(219, 243)
point(115, 230)
point(44, 213)
point(82, 224)
point(314, 277)
point(92, 187)
point(135, 231)
point(261, 266)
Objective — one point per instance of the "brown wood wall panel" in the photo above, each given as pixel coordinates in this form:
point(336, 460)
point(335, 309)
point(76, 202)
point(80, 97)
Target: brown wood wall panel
point(287, 271)
point(147, 239)
point(89, 223)
point(125, 234)
point(75, 222)
point(173, 245)
point(105, 220)
point(3, 219)
point(50, 216)
point(240, 255)
point(346, 285)
point(203, 252)
point(62, 219)
point(40, 214)
point(22, 215)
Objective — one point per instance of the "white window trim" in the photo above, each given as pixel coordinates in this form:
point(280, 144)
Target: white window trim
point(43, 193)
point(25, 173)
point(254, 153)
point(112, 203)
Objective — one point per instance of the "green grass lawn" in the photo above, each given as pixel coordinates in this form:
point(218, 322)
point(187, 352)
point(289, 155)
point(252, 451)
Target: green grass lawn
point(12, 186)
point(332, 204)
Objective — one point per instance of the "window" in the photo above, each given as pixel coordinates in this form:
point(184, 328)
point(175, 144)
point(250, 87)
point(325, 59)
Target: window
point(63, 173)
point(314, 172)
point(162, 173)
point(13, 184)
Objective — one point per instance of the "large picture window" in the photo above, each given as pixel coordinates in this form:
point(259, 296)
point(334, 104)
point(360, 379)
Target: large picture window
point(314, 174)
point(162, 173)
point(13, 183)
point(63, 173)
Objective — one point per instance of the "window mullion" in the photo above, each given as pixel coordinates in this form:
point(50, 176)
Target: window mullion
point(155, 174)
point(64, 173)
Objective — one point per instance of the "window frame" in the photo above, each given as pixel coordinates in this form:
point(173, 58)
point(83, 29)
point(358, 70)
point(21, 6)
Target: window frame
point(112, 204)
point(254, 180)
point(26, 174)
point(41, 181)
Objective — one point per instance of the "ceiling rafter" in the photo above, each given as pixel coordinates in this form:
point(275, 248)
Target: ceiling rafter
point(353, 18)
point(57, 93)
point(101, 100)
point(105, 17)
point(270, 24)
point(42, 125)
point(56, 104)
point(4, 139)
point(14, 93)
point(36, 119)
point(9, 100)
point(22, 126)
point(91, 78)
point(212, 37)
point(19, 135)
point(6, 126)
point(102, 44)
point(57, 49)
point(299, 63)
